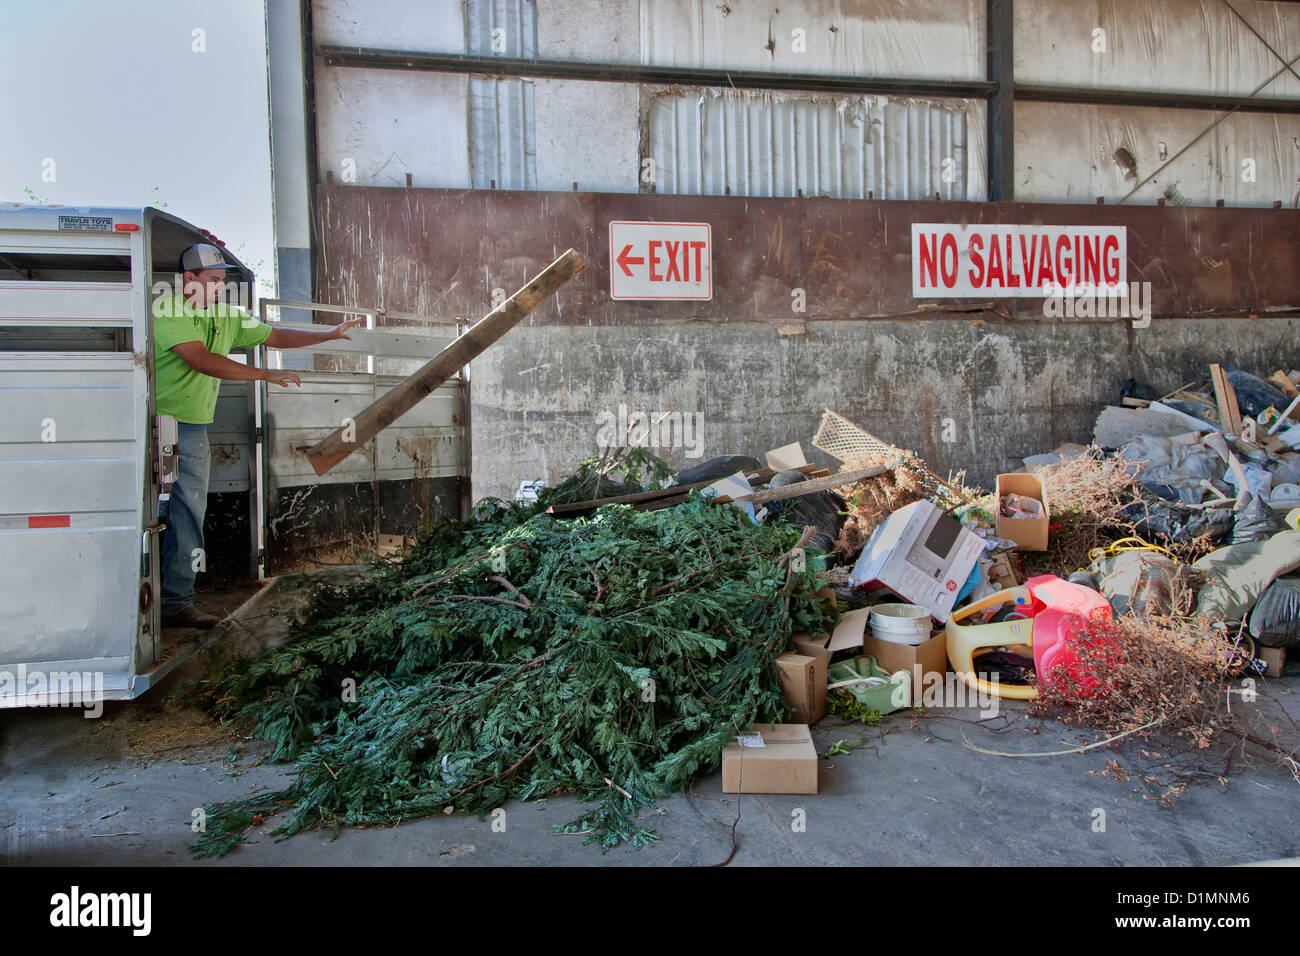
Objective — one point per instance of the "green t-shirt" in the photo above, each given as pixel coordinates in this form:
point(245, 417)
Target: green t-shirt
point(184, 393)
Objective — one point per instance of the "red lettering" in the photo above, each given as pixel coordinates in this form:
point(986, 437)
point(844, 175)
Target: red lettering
point(1110, 259)
point(1045, 277)
point(929, 261)
point(948, 245)
point(976, 251)
point(1028, 257)
point(654, 260)
point(995, 264)
point(672, 261)
point(1091, 267)
point(1013, 277)
point(698, 245)
point(1064, 276)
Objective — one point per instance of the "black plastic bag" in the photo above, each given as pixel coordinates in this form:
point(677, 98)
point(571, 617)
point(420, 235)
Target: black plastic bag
point(1256, 522)
point(1132, 388)
point(1254, 394)
point(713, 469)
point(1275, 620)
point(1156, 520)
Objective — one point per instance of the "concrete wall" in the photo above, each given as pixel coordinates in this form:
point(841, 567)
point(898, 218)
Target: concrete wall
point(1011, 389)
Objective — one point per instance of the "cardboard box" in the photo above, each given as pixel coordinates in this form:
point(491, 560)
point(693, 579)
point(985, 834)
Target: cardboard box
point(783, 760)
point(1275, 658)
point(1029, 534)
point(854, 630)
point(390, 544)
point(926, 662)
point(803, 684)
point(1002, 572)
point(786, 457)
point(922, 555)
point(811, 645)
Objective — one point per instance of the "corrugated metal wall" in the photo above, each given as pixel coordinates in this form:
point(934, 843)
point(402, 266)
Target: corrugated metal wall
point(935, 39)
point(756, 143)
point(1177, 46)
point(1075, 152)
point(503, 135)
point(462, 130)
point(595, 135)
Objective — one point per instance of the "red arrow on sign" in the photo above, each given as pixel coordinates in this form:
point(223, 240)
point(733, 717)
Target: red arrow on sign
point(624, 260)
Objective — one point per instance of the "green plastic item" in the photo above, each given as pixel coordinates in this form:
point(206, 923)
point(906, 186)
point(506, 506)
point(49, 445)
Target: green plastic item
point(873, 687)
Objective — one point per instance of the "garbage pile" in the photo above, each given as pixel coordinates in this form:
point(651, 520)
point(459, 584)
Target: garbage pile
point(631, 629)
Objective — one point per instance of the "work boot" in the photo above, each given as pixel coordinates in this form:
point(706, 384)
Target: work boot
point(190, 617)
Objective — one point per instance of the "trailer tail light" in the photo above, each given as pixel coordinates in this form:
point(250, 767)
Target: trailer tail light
point(49, 521)
point(126, 227)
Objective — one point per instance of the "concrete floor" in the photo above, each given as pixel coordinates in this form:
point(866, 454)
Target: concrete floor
point(121, 789)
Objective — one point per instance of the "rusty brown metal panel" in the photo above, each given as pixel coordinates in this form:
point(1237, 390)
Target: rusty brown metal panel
point(442, 252)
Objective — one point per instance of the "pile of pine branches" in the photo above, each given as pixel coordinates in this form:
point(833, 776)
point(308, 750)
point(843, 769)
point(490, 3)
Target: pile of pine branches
point(521, 655)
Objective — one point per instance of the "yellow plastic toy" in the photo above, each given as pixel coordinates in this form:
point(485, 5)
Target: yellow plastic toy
point(1015, 635)
point(1050, 613)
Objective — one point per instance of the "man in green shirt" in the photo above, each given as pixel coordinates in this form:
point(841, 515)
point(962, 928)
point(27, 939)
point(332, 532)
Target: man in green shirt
point(194, 330)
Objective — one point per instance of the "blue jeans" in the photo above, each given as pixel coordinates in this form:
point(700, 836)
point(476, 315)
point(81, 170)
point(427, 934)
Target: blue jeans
point(182, 542)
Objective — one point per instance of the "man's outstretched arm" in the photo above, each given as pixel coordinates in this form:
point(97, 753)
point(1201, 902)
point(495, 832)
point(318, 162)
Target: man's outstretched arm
point(197, 357)
point(297, 338)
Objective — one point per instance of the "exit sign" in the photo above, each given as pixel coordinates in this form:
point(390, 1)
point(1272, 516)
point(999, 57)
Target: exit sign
point(660, 260)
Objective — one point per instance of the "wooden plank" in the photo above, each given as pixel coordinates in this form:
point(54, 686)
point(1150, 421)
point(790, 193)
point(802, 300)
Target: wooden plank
point(383, 412)
point(1183, 395)
point(660, 503)
point(1226, 396)
point(811, 487)
point(677, 492)
point(639, 497)
point(1174, 393)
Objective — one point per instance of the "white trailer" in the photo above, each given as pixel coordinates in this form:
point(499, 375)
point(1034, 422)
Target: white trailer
point(80, 450)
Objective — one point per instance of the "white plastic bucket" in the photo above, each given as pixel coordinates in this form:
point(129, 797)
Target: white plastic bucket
point(900, 623)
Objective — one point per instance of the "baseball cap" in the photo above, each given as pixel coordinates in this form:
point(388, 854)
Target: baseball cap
point(202, 256)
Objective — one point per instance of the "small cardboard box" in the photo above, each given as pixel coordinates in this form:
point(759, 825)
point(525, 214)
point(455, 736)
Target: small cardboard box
point(786, 457)
point(922, 555)
point(803, 684)
point(390, 544)
point(1002, 572)
point(1275, 658)
point(923, 660)
point(930, 657)
point(1029, 534)
point(779, 758)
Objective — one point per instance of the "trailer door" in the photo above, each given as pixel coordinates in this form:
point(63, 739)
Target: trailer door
point(413, 472)
point(74, 429)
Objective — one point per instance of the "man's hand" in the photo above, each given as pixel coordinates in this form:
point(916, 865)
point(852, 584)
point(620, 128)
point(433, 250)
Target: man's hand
point(281, 378)
point(340, 331)
point(281, 338)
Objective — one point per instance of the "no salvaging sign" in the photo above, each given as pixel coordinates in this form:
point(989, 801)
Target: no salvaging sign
point(996, 260)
